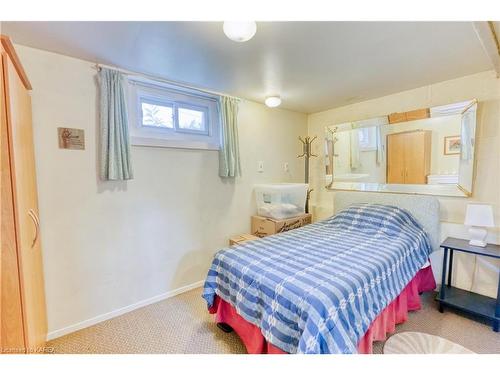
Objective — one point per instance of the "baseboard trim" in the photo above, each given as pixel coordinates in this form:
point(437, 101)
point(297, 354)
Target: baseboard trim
point(112, 314)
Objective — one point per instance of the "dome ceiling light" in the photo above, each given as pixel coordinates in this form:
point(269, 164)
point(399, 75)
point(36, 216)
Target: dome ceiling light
point(240, 31)
point(273, 101)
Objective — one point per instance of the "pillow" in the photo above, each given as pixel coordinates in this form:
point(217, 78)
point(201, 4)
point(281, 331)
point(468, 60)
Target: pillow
point(371, 217)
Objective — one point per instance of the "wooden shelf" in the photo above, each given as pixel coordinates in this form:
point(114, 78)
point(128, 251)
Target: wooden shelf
point(469, 302)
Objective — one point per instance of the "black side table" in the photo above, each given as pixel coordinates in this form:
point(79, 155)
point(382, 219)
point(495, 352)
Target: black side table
point(472, 303)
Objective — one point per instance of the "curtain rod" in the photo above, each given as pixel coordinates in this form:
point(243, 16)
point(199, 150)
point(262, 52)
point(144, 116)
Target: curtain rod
point(159, 79)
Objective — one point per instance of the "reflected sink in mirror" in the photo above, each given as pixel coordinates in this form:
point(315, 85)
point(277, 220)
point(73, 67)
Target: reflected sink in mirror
point(347, 177)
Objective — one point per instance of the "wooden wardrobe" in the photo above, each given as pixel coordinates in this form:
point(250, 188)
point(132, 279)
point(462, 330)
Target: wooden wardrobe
point(23, 327)
point(409, 157)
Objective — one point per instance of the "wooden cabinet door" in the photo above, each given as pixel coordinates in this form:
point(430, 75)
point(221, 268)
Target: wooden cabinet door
point(26, 208)
point(408, 157)
point(11, 316)
point(395, 158)
point(417, 158)
point(413, 158)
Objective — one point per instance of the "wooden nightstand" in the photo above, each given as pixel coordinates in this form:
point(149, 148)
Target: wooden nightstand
point(472, 303)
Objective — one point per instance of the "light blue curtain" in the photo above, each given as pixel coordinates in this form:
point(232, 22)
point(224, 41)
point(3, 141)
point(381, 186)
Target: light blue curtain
point(380, 146)
point(354, 149)
point(115, 163)
point(229, 154)
point(467, 133)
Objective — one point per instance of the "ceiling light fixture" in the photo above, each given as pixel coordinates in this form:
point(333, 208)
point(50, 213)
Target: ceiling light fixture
point(240, 31)
point(273, 101)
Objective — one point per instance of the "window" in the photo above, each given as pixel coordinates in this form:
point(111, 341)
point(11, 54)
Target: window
point(367, 139)
point(171, 116)
point(192, 119)
point(157, 114)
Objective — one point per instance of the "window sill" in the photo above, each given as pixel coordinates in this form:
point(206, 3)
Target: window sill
point(166, 143)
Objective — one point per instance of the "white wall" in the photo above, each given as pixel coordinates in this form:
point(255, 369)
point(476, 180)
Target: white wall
point(483, 86)
point(110, 245)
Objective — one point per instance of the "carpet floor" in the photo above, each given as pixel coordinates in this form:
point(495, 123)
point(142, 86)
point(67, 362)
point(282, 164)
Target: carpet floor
point(182, 325)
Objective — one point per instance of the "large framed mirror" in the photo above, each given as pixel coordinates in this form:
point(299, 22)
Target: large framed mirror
point(425, 151)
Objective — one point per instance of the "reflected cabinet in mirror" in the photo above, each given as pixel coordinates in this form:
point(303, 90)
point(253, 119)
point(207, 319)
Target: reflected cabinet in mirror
point(426, 151)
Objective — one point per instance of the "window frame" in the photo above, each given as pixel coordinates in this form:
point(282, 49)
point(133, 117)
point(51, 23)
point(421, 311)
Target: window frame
point(372, 137)
point(140, 89)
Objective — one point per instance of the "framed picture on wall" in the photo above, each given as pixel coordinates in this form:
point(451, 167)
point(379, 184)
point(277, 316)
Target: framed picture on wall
point(452, 145)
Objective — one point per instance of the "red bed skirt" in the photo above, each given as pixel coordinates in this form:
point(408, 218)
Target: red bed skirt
point(385, 322)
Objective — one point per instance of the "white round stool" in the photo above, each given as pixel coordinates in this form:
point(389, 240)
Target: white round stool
point(422, 343)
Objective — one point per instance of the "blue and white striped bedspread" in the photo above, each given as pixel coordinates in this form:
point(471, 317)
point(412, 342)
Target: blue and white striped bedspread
point(318, 288)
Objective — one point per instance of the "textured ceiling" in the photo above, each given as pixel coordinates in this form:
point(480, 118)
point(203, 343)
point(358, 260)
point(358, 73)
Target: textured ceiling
point(312, 65)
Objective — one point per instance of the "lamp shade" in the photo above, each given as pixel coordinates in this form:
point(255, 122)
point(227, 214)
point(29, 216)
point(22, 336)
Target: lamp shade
point(479, 215)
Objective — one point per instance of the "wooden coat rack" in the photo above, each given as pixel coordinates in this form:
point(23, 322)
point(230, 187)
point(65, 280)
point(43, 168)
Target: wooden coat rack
point(307, 154)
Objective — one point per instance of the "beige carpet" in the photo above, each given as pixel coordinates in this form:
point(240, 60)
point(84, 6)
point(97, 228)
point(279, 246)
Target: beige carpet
point(182, 325)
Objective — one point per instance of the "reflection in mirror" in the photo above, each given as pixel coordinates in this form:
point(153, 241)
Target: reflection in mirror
point(427, 151)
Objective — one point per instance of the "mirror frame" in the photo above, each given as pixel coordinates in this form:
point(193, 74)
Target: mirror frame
point(449, 190)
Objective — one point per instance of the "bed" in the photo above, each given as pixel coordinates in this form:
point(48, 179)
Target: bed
point(334, 286)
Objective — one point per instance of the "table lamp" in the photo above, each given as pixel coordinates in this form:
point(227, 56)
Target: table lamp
point(477, 217)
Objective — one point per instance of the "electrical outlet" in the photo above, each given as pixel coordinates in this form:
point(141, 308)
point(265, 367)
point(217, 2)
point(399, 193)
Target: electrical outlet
point(260, 166)
point(286, 167)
